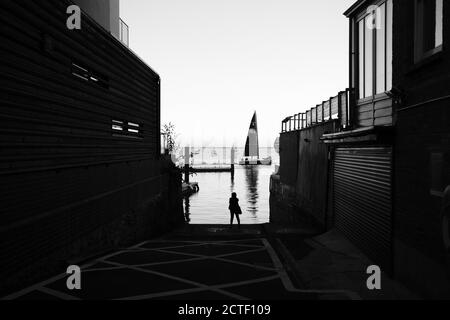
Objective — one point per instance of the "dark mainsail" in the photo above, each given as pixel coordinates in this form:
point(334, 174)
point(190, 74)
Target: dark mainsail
point(252, 144)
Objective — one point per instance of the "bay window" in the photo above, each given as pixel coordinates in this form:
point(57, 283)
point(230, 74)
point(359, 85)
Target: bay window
point(374, 30)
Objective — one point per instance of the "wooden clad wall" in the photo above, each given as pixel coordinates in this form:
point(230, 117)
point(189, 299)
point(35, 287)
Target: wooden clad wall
point(64, 171)
point(422, 158)
point(373, 113)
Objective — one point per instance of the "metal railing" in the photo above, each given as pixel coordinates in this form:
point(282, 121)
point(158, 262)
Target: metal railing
point(336, 108)
point(124, 33)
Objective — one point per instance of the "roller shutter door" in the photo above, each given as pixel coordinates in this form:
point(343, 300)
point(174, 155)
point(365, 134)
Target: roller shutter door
point(363, 200)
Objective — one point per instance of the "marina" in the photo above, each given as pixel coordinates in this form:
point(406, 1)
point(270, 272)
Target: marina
point(250, 179)
point(212, 168)
point(210, 204)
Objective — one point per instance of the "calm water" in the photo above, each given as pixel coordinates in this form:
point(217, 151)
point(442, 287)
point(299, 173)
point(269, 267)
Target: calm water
point(210, 205)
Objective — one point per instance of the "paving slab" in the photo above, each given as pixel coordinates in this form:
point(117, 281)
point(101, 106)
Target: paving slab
point(195, 262)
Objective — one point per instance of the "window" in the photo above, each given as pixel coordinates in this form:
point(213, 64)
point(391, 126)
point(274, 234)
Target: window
point(375, 50)
point(117, 125)
point(429, 28)
point(126, 129)
point(133, 128)
point(82, 72)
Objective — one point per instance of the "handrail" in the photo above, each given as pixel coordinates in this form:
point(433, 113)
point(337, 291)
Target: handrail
point(335, 108)
point(124, 33)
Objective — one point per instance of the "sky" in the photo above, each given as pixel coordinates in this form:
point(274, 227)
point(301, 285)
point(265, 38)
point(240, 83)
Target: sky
point(221, 60)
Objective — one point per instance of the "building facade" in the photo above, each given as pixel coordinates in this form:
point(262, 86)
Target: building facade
point(422, 140)
point(363, 155)
point(389, 168)
point(80, 166)
point(104, 12)
point(402, 64)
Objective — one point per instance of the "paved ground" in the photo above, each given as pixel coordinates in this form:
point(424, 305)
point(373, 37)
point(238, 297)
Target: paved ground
point(329, 260)
point(194, 263)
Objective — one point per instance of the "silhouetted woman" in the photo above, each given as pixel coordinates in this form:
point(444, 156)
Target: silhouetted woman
point(235, 209)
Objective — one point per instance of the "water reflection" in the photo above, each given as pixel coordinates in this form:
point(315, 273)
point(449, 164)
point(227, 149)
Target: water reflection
point(251, 179)
point(232, 183)
point(210, 205)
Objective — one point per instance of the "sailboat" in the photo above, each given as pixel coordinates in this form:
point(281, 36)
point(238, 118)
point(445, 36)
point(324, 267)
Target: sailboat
point(251, 156)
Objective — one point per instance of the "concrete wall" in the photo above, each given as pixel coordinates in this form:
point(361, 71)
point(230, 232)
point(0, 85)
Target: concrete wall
point(104, 12)
point(289, 144)
point(114, 18)
point(422, 158)
point(300, 192)
point(312, 172)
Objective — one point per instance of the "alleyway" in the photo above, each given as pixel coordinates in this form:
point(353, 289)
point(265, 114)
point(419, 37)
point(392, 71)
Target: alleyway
point(193, 263)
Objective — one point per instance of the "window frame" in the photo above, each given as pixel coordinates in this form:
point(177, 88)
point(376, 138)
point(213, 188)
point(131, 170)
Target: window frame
point(362, 98)
point(419, 52)
point(127, 129)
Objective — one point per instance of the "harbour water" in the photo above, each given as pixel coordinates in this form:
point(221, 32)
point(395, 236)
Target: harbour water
point(210, 205)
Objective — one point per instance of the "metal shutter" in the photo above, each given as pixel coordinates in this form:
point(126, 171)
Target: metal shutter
point(363, 200)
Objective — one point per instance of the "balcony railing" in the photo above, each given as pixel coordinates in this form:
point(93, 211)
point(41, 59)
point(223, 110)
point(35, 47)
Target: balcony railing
point(336, 108)
point(124, 33)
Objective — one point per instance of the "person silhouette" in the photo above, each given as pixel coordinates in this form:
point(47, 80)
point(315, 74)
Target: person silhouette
point(235, 209)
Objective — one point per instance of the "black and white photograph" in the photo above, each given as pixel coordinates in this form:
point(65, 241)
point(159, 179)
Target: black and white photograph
point(224, 158)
